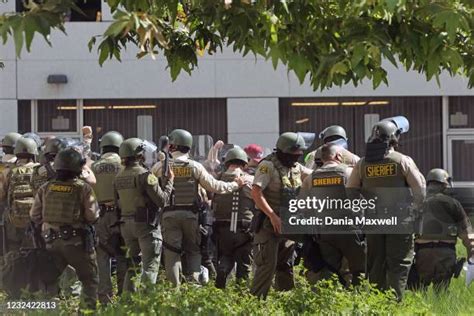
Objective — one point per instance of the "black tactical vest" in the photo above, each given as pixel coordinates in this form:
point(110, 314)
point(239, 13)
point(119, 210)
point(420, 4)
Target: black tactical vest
point(437, 223)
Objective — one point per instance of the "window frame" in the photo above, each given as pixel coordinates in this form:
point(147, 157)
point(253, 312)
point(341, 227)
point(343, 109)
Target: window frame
point(79, 121)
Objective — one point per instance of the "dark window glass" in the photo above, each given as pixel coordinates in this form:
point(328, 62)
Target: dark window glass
point(24, 116)
point(357, 115)
point(156, 117)
point(461, 112)
point(91, 10)
point(57, 116)
point(462, 153)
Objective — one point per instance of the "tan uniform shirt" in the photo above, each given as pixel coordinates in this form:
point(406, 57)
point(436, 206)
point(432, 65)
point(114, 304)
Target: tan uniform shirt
point(205, 179)
point(88, 202)
point(87, 175)
point(416, 181)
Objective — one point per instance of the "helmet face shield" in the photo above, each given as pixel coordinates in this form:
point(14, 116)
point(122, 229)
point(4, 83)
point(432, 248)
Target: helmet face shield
point(308, 138)
point(339, 142)
point(401, 122)
point(202, 144)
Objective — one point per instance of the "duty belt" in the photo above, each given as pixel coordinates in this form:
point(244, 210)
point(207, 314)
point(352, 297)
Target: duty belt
point(242, 225)
point(440, 244)
point(64, 233)
point(105, 208)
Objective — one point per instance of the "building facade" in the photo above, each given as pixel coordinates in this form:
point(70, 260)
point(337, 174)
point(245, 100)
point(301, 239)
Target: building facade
point(56, 90)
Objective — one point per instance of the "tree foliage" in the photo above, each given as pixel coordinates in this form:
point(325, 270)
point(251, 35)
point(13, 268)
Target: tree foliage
point(329, 42)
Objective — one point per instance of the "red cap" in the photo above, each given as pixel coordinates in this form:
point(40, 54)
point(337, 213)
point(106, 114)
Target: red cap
point(254, 151)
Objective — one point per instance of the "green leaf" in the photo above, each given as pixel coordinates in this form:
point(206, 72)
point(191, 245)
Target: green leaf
point(379, 75)
point(18, 37)
point(113, 4)
point(454, 59)
point(339, 69)
point(104, 52)
point(432, 68)
point(300, 66)
point(275, 55)
point(450, 20)
point(389, 55)
point(116, 28)
point(358, 54)
point(30, 29)
point(91, 43)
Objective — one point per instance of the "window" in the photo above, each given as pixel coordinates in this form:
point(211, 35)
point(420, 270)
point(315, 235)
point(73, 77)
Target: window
point(91, 10)
point(462, 153)
point(24, 116)
point(158, 117)
point(423, 142)
point(461, 112)
point(57, 116)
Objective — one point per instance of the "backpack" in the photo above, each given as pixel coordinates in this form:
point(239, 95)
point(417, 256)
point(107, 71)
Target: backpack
point(20, 196)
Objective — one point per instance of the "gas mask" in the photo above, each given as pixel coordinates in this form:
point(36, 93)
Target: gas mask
point(287, 160)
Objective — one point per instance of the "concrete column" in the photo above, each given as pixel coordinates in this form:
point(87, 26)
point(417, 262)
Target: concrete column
point(9, 116)
point(253, 120)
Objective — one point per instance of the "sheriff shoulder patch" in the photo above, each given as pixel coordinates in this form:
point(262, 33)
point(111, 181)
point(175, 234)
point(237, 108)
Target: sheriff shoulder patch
point(152, 180)
point(263, 169)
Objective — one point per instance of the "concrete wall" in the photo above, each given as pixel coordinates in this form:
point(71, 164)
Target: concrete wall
point(222, 75)
point(253, 120)
point(8, 92)
point(251, 84)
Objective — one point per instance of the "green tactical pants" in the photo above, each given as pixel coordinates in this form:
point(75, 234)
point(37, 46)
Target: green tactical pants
point(335, 247)
point(181, 234)
point(435, 265)
point(274, 256)
point(145, 239)
point(71, 252)
point(105, 253)
point(389, 259)
point(233, 248)
point(69, 284)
